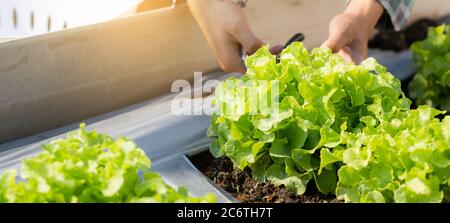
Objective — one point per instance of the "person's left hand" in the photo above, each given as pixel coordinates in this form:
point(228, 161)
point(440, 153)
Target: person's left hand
point(349, 32)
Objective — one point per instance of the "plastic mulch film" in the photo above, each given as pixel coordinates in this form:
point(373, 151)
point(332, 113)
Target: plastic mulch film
point(164, 136)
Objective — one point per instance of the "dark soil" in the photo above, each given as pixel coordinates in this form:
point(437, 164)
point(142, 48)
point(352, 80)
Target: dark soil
point(242, 186)
point(401, 40)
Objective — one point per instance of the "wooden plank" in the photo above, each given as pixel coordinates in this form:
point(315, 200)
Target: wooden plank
point(276, 21)
point(59, 78)
point(148, 5)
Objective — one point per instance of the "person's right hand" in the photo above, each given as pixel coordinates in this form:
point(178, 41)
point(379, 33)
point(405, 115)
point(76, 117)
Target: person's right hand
point(227, 31)
point(350, 31)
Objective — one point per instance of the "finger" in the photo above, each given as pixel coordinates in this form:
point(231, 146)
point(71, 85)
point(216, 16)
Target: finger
point(230, 59)
point(337, 37)
point(358, 51)
point(363, 53)
point(229, 64)
point(345, 53)
point(276, 49)
point(334, 42)
point(249, 42)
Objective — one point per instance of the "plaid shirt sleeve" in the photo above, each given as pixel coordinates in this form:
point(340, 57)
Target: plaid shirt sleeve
point(396, 13)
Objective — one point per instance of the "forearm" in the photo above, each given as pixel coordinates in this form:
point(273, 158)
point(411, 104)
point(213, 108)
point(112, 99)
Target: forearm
point(369, 11)
point(349, 32)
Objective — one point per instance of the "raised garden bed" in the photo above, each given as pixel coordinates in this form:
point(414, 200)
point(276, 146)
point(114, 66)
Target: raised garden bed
point(241, 184)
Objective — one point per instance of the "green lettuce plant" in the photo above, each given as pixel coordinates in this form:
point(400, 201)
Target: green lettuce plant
point(89, 167)
point(405, 159)
point(314, 119)
point(319, 98)
point(431, 84)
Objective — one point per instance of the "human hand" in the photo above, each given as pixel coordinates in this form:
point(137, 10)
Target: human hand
point(227, 31)
point(349, 32)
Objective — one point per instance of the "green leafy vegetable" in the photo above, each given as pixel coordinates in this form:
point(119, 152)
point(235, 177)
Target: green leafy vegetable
point(410, 165)
point(292, 112)
point(431, 84)
point(89, 167)
point(348, 128)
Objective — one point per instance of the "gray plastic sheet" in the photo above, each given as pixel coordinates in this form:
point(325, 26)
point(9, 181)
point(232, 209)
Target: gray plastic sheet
point(399, 64)
point(164, 136)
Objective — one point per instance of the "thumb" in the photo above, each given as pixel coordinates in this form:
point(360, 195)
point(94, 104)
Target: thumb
point(335, 43)
point(249, 42)
point(276, 49)
point(337, 36)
